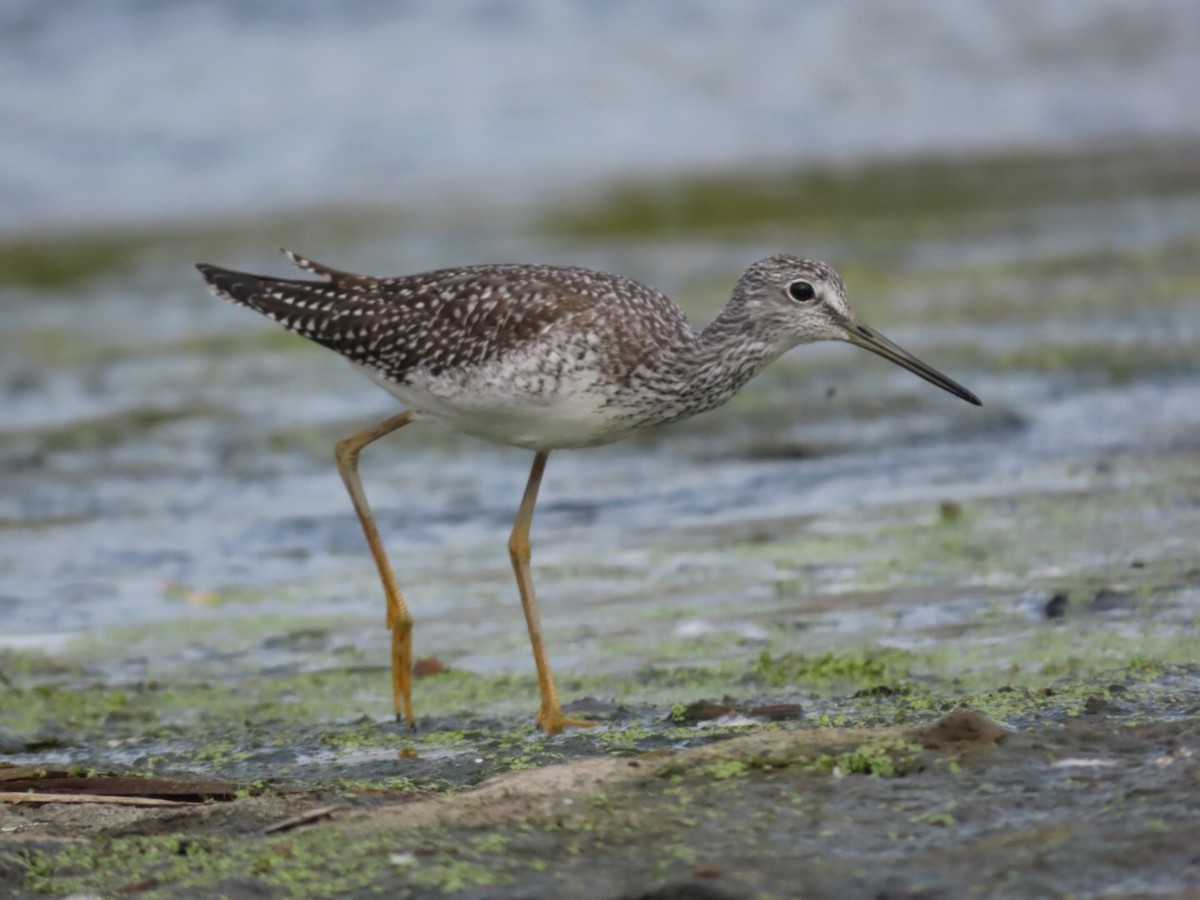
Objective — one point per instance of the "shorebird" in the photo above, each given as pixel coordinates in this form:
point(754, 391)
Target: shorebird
point(545, 357)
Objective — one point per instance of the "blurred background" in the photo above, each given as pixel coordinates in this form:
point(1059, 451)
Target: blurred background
point(1011, 188)
point(124, 112)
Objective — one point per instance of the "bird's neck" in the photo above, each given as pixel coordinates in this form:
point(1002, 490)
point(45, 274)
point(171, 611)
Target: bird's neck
point(717, 362)
point(734, 348)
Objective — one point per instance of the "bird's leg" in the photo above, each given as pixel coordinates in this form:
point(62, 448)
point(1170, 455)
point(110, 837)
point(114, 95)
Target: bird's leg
point(399, 620)
point(550, 715)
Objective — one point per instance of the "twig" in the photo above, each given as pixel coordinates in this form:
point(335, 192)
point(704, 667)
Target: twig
point(305, 818)
point(38, 797)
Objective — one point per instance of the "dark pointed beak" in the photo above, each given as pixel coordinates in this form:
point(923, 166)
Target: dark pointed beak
point(870, 339)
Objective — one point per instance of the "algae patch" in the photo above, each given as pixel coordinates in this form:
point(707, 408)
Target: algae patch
point(929, 196)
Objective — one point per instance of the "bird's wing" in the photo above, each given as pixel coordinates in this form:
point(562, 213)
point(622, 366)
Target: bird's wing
point(433, 321)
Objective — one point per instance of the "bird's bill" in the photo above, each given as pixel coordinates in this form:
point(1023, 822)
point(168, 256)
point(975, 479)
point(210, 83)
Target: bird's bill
point(870, 339)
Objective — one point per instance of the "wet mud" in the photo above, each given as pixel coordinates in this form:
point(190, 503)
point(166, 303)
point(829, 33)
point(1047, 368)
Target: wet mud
point(846, 636)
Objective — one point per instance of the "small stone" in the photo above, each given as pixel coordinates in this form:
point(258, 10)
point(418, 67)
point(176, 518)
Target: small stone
point(950, 510)
point(708, 870)
point(1095, 705)
point(1056, 606)
point(429, 665)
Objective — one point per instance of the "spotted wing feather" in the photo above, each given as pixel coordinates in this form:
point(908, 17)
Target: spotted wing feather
point(431, 322)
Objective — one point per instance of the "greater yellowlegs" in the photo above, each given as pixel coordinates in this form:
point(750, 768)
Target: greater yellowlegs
point(545, 357)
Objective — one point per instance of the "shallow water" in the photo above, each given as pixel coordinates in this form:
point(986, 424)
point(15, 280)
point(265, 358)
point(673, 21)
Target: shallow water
point(167, 459)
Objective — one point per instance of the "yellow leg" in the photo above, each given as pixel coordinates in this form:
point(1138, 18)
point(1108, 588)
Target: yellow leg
point(399, 620)
point(550, 715)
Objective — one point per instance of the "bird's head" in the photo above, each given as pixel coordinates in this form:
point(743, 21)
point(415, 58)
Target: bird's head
point(802, 300)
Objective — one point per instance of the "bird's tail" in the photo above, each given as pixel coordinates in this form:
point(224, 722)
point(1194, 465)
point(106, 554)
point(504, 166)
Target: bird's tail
point(241, 288)
point(331, 312)
point(309, 308)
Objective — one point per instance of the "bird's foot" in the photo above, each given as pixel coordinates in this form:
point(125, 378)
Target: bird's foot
point(553, 721)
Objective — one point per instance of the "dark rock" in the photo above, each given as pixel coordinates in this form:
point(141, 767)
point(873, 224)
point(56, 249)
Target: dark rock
point(959, 728)
point(684, 890)
point(776, 712)
point(701, 711)
point(1056, 606)
point(1095, 705)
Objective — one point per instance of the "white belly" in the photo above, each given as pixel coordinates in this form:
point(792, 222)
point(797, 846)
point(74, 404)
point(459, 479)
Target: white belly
point(534, 412)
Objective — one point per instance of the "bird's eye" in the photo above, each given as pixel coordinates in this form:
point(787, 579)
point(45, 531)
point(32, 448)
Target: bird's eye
point(801, 291)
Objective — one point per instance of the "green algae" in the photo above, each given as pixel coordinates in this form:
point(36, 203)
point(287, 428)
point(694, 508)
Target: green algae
point(730, 796)
point(883, 758)
point(70, 259)
point(300, 865)
point(104, 431)
point(208, 723)
point(61, 264)
point(841, 669)
point(926, 197)
point(1102, 362)
point(42, 348)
